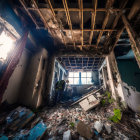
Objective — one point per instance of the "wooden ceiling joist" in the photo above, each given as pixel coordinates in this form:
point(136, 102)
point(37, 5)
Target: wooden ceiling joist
point(122, 6)
point(133, 11)
point(135, 43)
point(93, 21)
point(26, 9)
point(108, 6)
point(54, 16)
point(42, 17)
point(68, 18)
point(81, 33)
point(78, 10)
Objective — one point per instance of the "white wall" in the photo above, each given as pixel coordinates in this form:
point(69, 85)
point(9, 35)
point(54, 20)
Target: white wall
point(33, 82)
point(13, 88)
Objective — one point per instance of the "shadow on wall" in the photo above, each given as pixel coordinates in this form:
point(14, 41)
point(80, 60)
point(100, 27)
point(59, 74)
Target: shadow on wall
point(32, 86)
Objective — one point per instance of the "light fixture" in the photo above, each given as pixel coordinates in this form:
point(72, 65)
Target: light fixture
point(6, 44)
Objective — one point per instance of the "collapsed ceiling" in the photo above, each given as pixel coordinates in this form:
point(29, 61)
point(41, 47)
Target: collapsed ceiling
point(73, 63)
point(89, 24)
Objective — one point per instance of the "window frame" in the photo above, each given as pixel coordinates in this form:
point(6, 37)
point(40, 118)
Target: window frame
point(80, 78)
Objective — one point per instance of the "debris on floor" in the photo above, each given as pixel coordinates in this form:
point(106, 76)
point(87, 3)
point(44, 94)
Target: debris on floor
point(13, 125)
point(89, 103)
point(71, 123)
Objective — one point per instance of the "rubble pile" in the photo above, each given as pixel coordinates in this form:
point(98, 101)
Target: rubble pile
point(102, 122)
point(21, 123)
point(80, 125)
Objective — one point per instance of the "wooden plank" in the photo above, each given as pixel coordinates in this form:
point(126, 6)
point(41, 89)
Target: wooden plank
point(93, 18)
point(122, 6)
point(135, 43)
point(108, 6)
point(94, 30)
point(90, 93)
point(23, 4)
point(42, 17)
point(132, 13)
point(78, 10)
point(80, 5)
point(68, 19)
point(82, 23)
point(21, 122)
point(54, 16)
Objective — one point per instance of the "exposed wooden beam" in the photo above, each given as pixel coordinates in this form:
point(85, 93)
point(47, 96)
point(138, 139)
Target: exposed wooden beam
point(122, 6)
point(68, 19)
point(131, 14)
point(135, 8)
point(54, 16)
point(82, 22)
point(135, 43)
point(108, 6)
point(77, 9)
point(94, 46)
point(93, 18)
point(86, 30)
point(80, 5)
point(26, 9)
point(42, 17)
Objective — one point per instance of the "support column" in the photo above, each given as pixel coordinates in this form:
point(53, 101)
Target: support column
point(115, 81)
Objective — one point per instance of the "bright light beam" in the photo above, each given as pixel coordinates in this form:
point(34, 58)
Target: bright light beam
point(6, 44)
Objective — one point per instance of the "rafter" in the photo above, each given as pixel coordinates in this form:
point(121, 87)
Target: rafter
point(133, 11)
point(108, 6)
point(26, 9)
point(54, 16)
point(135, 43)
point(80, 5)
point(68, 18)
point(78, 10)
point(122, 6)
point(93, 18)
point(42, 17)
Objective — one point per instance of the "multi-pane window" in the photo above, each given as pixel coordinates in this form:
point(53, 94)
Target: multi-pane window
point(86, 78)
point(80, 78)
point(74, 78)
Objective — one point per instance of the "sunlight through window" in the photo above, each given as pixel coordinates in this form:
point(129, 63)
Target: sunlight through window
point(6, 44)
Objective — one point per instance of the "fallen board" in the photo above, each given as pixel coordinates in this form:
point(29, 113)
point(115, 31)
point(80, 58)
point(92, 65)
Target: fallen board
point(90, 93)
point(89, 103)
point(36, 133)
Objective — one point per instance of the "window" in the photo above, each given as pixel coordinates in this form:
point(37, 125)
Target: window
point(76, 78)
point(86, 78)
point(6, 44)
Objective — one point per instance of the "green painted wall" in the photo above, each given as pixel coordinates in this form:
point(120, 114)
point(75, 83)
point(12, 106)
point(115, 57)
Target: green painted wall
point(130, 72)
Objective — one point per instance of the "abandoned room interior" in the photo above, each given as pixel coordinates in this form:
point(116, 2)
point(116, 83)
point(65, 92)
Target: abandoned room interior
point(70, 69)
